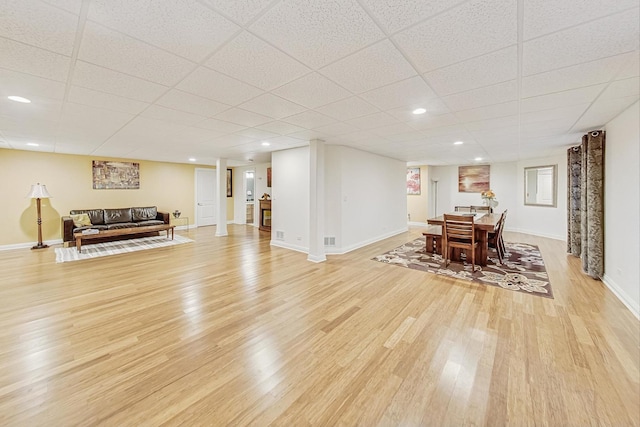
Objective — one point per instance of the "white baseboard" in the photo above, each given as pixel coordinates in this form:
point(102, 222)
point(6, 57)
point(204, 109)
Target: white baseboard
point(316, 259)
point(285, 245)
point(535, 233)
point(344, 250)
point(29, 245)
point(632, 305)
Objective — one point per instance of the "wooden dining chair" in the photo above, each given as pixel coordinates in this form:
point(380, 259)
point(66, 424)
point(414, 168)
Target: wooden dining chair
point(463, 209)
point(458, 231)
point(483, 208)
point(495, 239)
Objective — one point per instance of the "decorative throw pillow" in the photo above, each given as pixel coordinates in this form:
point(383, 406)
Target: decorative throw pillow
point(81, 220)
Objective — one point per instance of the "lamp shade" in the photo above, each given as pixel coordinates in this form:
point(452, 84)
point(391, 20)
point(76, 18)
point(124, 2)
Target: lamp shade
point(38, 191)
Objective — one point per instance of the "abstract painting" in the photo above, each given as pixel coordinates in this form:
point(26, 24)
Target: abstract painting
point(413, 181)
point(473, 179)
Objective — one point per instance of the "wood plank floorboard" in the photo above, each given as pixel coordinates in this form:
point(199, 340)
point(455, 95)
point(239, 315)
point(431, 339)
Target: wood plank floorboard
point(231, 331)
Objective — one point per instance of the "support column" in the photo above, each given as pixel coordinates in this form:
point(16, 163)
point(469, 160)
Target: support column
point(221, 172)
point(316, 201)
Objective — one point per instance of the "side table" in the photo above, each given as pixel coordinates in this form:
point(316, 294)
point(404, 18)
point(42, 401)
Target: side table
point(184, 220)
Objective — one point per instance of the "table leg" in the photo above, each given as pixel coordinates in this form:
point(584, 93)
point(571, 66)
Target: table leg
point(482, 251)
point(79, 244)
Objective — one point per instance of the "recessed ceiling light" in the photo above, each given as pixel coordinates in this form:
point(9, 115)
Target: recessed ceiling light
point(478, 159)
point(19, 99)
point(32, 144)
point(458, 143)
point(192, 159)
point(265, 143)
point(419, 111)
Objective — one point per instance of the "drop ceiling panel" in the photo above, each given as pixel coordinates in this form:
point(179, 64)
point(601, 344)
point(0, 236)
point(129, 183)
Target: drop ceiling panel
point(488, 112)
point(347, 108)
point(242, 11)
point(431, 124)
point(312, 90)
point(104, 80)
point(72, 6)
point(185, 27)
point(396, 15)
point(460, 33)
point(26, 85)
point(243, 117)
point(93, 98)
point(336, 129)
point(220, 126)
point(602, 111)
point(32, 60)
point(370, 68)
point(256, 62)
point(170, 115)
point(615, 34)
point(543, 17)
point(488, 95)
point(39, 25)
point(309, 119)
point(560, 99)
point(622, 88)
point(272, 106)
point(280, 127)
point(317, 32)
point(116, 51)
point(412, 92)
point(191, 103)
point(373, 121)
point(217, 86)
point(485, 70)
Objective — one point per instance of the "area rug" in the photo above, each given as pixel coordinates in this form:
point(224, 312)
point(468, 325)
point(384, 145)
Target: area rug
point(117, 247)
point(522, 271)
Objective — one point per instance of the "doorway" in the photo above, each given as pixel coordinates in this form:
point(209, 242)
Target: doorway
point(250, 190)
point(205, 197)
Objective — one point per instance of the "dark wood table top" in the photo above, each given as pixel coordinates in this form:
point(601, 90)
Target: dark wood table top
point(486, 222)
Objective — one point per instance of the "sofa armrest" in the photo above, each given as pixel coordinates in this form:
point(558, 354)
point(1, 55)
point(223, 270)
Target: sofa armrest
point(164, 217)
point(66, 227)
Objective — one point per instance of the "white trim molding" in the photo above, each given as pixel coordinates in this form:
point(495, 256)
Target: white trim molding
point(632, 305)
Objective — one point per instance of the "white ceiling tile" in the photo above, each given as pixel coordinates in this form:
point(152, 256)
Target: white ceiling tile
point(373, 121)
point(460, 33)
point(100, 123)
point(335, 129)
point(317, 32)
point(632, 67)
point(561, 99)
point(72, 6)
point(309, 119)
point(434, 106)
point(370, 68)
point(594, 72)
point(272, 106)
point(361, 135)
point(413, 92)
point(170, 115)
point(496, 123)
point(543, 17)
point(254, 61)
point(105, 80)
point(26, 85)
point(29, 115)
point(570, 113)
point(309, 134)
point(312, 90)
point(488, 95)
point(603, 111)
point(615, 34)
point(622, 88)
point(256, 133)
point(116, 51)
point(190, 103)
point(485, 70)
point(488, 112)
point(444, 124)
point(279, 127)
point(396, 15)
point(220, 126)
point(230, 141)
point(39, 24)
point(32, 60)
point(94, 98)
point(287, 142)
point(243, 117)
point(183, 27)
point(348, 108)
point(242, 11)
point(214, 85)
point(394, 129)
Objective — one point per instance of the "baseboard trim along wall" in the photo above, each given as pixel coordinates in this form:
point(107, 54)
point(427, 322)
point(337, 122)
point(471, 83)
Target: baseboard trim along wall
point(633, 306)
point(29, 245)
point(340, 250)
point(284, 245)
point(535, 233)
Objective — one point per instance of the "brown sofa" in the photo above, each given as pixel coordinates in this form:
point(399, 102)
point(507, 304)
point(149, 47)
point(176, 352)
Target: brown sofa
point(109, 219)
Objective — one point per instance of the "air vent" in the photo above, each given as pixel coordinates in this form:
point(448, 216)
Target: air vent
point(279, 235)
point(329, 241)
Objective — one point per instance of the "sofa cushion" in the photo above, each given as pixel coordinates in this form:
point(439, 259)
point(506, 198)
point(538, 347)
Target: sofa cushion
point(117, 216)
point(150, 222)
point(81, 220)
point(122, 225)
point(95, 215)
point(144, 214)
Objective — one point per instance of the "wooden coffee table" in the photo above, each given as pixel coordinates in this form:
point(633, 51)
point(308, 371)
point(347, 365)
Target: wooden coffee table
point(121, 232)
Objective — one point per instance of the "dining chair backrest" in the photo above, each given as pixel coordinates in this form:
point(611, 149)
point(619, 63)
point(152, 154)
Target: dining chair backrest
point(482, 208)
point(458, 228)
point(463, 209)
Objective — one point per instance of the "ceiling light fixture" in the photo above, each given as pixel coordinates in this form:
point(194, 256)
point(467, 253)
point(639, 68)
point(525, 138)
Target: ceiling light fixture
point(266, 144)
point(32, 144)
point(192, 159)
point(478, 159)
point(458, 143)
point(19, 99)
point(419, 111)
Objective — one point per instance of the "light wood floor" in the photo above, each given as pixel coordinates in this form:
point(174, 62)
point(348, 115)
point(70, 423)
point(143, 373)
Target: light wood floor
point(230, 331)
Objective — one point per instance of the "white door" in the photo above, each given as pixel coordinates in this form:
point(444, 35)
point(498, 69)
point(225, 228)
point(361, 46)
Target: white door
point(205, 197)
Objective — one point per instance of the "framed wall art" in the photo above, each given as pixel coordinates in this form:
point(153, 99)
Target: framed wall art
point(229, 183)
point(108, 175)
point(473, 179)
point(413, 181)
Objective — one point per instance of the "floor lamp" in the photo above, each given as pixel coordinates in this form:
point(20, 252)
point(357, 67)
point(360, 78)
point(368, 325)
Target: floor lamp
point(435, 199)
point(38, 192)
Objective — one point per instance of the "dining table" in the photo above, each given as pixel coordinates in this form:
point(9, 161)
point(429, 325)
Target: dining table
point(483, 225)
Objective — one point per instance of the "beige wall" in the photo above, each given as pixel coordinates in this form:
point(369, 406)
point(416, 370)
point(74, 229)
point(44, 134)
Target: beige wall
point(68, 178)
point(417, 204)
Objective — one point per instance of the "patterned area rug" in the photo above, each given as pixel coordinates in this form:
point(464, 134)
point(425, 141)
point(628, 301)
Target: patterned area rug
point(523, 269)
point(117, 247)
